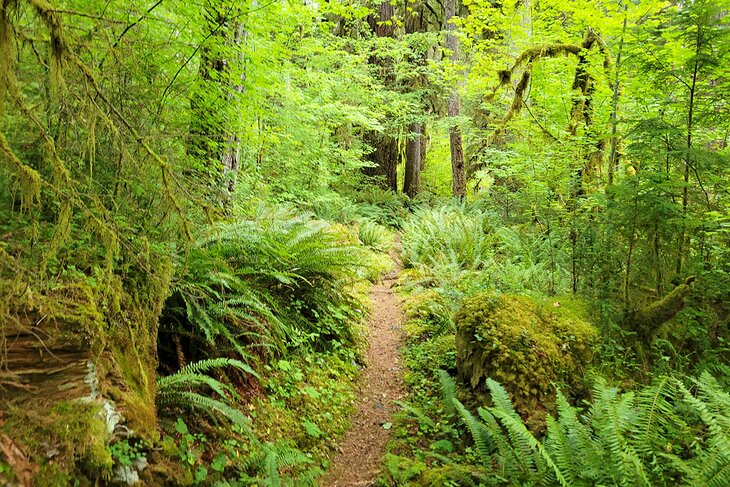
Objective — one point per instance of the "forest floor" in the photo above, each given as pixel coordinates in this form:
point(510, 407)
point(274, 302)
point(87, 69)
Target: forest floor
point(360, 453)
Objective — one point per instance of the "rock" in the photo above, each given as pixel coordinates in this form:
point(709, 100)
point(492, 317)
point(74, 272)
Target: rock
point(524, 344)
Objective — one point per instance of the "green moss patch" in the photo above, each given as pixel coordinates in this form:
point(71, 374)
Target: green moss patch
point(525, 344)
point(67, 440)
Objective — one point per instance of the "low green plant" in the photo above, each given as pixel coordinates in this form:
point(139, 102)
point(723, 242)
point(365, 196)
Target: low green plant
point(191, 389)
point(451, 235)
point(260, 285)
point(125, 453)
point(667, 433)
point(375, 236)
point(302, 265)
point(217, 312)
point(529, 261)
point(236, 457)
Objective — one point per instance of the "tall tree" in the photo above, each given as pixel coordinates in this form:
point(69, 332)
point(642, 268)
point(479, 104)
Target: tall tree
point(458, 185)
point(384, 155)
point(215, 140)
point(416, 21)
point(412, 176)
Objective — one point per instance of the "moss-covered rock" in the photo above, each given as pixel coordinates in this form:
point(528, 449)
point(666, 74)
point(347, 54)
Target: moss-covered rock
point(525, 344)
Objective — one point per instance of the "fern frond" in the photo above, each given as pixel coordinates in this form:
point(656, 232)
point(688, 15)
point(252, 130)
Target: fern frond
point(520, 434)
point(420, 415)
point(481, 436)
point(448, 388)
point(204, 404)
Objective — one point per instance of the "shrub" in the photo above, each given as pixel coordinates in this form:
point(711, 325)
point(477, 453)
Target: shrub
point(449, 235)
point(264, 283)
point(524, 344)
point(190, 388)
point(375, 236)
point(530, 261)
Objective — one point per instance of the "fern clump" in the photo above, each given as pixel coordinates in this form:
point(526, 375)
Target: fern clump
point(375, 236)
point(450, 235)
point(191, 388)
point(259, 285)
point(526, 345)
point(661, 435)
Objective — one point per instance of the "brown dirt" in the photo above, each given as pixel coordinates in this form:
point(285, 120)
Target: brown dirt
point(361, 450)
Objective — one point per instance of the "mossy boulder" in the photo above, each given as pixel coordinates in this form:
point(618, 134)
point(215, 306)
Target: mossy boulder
point(525, 344)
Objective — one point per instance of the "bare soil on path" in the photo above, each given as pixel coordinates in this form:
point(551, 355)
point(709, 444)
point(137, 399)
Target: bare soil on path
point(360, 454)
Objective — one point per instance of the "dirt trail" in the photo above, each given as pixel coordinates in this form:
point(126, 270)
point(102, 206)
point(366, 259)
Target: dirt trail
point(361, 450)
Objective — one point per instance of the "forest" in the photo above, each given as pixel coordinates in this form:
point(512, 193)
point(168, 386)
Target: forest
point(365, 243)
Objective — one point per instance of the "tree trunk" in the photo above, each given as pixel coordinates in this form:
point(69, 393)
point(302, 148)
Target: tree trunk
point(458, 186)
point(384, 158)
point(385, 148)
point(214, 139)
point(683, 240)
point(644, 321)
point(411, 181)
point(613, 157)
point(424, 145)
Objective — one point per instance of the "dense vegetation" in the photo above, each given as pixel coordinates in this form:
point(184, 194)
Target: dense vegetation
point(195, 197)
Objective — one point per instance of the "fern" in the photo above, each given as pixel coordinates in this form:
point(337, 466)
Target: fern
point(448, 388)
point(449, 235)
point(620, 440)
point(183, 390)
point(480, 434)
point(274, 464)
point(420, 415)
point(260, 285)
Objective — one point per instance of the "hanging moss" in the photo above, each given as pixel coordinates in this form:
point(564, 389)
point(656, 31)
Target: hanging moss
point(526, 345)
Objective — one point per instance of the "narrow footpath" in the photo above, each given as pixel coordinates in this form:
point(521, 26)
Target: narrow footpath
point(360, 454)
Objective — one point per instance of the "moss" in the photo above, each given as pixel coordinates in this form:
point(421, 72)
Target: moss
point(68, 440)
point(648, 319)
point(109, 321)
point(525, 344)
point(426, 356)
point(131, 356)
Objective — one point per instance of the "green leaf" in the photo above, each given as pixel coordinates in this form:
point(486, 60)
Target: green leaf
point(312, 429)
point(181, 427)
point(443, 445)
point(219, 463)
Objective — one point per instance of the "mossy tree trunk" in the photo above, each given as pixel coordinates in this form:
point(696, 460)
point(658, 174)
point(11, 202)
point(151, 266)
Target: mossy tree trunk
point(458, 171)
point(411, 181)
point(384, 156)
point(647, 319)
point(214, 134)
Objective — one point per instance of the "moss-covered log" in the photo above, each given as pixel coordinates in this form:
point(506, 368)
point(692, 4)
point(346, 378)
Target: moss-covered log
point(77, 371)
point(646, 320)
point(526, 345)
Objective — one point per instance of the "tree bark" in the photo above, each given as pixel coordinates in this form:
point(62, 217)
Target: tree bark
point(683, 239)
point(214, 139)
point(458, 171)
point(613, 157)
point(646, 320)
point(385, 148)
point(411, 181)
point(384, 158)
